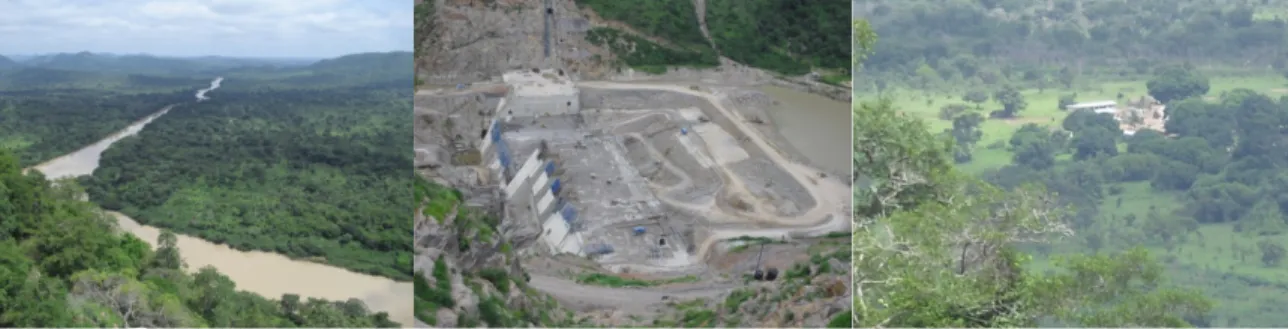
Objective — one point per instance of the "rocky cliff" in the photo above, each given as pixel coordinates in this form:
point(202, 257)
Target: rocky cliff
point(474, 40)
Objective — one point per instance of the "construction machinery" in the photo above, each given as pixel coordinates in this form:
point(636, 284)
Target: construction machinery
point(761, 273)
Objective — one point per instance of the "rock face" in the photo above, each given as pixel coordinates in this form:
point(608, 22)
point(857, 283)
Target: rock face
point(475, 40)
point(464, 248)
point(470, 268)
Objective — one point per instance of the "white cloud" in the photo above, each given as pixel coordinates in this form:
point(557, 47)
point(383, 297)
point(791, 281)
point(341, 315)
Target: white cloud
point(296, 28)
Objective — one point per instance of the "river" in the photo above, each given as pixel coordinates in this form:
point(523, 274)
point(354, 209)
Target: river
point(264, 273)
point(816, 126)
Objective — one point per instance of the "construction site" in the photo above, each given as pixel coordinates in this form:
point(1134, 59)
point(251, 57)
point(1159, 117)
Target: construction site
point(644, 181)
point(619, 193)
point(644, 178)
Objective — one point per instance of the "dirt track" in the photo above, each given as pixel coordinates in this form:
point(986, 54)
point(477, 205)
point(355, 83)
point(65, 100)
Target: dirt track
point(630, 300)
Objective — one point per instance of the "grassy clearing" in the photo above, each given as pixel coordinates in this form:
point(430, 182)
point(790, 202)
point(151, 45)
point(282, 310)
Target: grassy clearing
point(608, 280)
point(1207, 260)
point(1043, 109)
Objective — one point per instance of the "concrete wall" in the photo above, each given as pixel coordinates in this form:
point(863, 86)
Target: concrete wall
point(484, 147)
point(527, 174)
point(555, 230)
point(543, 105)
point(532, 183)
point(573, 244)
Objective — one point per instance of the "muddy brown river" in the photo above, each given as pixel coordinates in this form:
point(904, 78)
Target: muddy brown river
point(264, 273)
point(817, 126)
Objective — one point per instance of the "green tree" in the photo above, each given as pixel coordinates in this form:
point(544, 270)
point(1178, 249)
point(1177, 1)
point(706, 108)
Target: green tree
point(921, 246)
point(1272, 253)
point(1264, 219)
point(1032, 147)
point(1012, 101)
point(1066, 100)
point(951, 111)
point(1097, 141)
point(976, 97)
point(1176, 83)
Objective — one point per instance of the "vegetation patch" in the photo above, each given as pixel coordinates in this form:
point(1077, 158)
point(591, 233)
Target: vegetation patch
point(90, 276)
point(297, 172)
point(439, 200)
point(673, 20)
point(608, 280)
point(644, 55)
point(785, 36)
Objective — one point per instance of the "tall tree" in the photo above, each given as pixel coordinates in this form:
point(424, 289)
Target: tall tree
point(1175, 83)
point(1012, 101)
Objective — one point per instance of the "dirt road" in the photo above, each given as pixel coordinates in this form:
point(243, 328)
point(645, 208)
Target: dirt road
point(630, 300)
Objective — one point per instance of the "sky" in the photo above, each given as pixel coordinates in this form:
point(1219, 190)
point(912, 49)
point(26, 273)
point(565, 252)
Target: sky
point(239, 28)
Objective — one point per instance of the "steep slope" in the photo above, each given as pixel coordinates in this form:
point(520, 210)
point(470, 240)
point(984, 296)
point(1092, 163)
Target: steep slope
point(468, 282)
point(467, 41)
point(472, 40)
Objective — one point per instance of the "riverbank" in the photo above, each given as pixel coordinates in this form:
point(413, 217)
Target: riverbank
point(267, 274)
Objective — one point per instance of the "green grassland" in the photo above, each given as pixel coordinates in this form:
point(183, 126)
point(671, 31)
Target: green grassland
point(1043, 109)
point(1217, 259)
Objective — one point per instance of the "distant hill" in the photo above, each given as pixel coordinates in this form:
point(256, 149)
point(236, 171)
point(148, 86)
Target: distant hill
point(155, 65)
point(7, 63)
point(43, 78)
point(94, 70)
point(91, 62)
point(389, 64)
point(361, 69)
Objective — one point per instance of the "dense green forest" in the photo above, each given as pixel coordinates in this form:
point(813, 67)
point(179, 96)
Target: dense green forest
point(943, 44)
point(61, 265)
point(316, 174)
point(938, 247)
point(787, 36)
point(41, 124)
point(1202, 186)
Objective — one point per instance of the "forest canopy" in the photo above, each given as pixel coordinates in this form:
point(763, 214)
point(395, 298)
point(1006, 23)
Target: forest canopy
point(67, 264)
point(313, 174)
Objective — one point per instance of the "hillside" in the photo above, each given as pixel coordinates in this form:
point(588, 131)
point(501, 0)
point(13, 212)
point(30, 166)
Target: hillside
point(365, 70)
point(7, 63)
point(1185, 165)
point(483, 281)
point(144, 64)
point(462, 41)
point(1055, 43)
point(67, 264)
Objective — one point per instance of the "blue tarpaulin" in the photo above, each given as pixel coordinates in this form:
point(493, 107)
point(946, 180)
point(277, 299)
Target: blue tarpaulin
point(496, 131)
point(556, 186)
point(639, 230)
point(684, 131)
point(503, 154)
point(569, 214)
point(550, 168)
